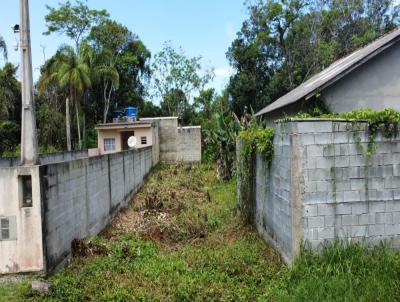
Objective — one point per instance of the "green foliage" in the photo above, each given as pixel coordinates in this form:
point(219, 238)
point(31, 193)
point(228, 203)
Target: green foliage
point(70, 71)
point(175, 78)
point(283, 43)
point(75, 21)
point(341, 272)
point(386, 120)
point(9, 137)
point(257, 140)
point(232, 263)
point(91, 138)
point(120, 65)
point(3, 47)
point(50, 124)
point(10, 104)
point(222, 138)
point(149, 109)
point(10, 92)
point(108, 66)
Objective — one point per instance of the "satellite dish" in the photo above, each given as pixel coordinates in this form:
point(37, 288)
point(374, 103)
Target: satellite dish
point(132, 142)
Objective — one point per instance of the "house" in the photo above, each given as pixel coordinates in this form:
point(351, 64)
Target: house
point(170, 142)
point(113, 137)
point(367, 78)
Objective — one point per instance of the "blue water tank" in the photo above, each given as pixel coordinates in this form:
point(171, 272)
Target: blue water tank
point(130, 111)
point(118, 113)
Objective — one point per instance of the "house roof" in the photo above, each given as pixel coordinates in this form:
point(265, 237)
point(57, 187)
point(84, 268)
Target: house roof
point(334, 72)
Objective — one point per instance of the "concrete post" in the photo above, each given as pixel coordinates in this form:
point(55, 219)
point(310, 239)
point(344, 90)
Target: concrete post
point(29, 153)
point(296, 193)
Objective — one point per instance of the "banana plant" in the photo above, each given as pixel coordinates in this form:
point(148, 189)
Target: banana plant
point(223, 137)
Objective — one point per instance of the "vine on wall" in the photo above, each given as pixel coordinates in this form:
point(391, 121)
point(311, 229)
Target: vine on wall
point(251, 141)
point(385, 121)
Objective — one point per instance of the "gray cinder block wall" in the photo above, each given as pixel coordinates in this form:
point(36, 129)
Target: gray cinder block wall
point(189, 144)
point(321, 185)
point(81, 196)
point(177, 144)
point(168, 137)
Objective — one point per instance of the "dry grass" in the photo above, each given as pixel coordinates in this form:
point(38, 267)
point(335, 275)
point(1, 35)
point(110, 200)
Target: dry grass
point(169, 208)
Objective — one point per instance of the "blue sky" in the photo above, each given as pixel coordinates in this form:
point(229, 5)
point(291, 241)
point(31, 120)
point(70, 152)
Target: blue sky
point(201, 27)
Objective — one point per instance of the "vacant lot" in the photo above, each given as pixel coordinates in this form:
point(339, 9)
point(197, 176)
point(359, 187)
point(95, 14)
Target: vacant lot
point(181, 240)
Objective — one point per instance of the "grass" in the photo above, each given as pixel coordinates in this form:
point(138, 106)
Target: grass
point(343, 271)
point(181, 240)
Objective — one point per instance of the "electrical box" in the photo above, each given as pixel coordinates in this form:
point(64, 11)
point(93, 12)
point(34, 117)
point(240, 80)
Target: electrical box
point(25, 183)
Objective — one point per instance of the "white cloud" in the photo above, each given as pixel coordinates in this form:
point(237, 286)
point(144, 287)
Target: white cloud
point(223, 72)
point(230, 31)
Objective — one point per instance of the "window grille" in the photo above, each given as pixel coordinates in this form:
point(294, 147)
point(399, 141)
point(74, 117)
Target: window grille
point(109, 144)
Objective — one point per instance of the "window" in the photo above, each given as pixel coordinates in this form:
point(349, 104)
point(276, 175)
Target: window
point(109, 144)
point(4, 229)
point(143, 140)
point(8, 228)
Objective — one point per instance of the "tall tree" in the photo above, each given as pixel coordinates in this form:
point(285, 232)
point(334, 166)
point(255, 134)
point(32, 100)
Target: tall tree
point(10, 108)
point(9, 91)
point(285, 42)
point(109, 39)
point(176, 78)
point(3, 47)
point(73, 20)
point(72, 74)
point(123, 63)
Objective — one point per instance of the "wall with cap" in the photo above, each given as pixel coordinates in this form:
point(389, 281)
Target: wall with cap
point(322, 185)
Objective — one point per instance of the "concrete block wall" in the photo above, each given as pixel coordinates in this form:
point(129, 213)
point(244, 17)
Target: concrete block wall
point(189, 144)
point(347, 193)
point(273, 213)
point(46, 158)
point(176, 144)
point(330, 187)
point(80, 197)
point(168, 136)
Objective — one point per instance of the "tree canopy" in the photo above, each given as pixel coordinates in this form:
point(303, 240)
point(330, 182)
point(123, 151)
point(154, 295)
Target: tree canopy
point(175, 78)
point(281, 44)
point(75, 21)
point(285, 42)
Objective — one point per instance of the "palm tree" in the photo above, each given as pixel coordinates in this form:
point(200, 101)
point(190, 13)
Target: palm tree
point(3, 47)
point(107, 75)
point(72, 73)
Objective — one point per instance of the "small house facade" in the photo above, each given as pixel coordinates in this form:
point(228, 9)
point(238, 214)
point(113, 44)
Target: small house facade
point(114, 137)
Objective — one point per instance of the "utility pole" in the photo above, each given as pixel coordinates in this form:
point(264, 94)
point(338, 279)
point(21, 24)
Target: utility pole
point(29, 148)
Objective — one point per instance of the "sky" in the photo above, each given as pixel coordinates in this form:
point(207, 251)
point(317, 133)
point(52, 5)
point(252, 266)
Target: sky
point(201, 27)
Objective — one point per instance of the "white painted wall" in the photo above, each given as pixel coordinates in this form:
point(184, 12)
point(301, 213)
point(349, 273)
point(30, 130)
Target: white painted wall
point(25, 254)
